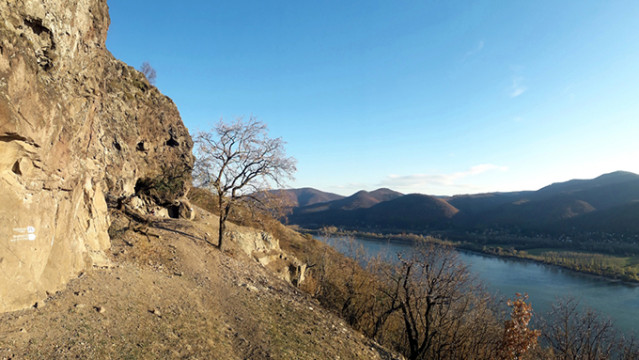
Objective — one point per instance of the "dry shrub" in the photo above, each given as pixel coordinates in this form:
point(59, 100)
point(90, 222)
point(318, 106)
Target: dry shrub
point(518, 338)
point(426, 306)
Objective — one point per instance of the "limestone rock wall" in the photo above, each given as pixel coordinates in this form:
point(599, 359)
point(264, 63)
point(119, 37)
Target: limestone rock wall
point(78, 130)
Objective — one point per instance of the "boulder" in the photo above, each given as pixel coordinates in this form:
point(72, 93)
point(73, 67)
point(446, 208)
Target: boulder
point(265, 249)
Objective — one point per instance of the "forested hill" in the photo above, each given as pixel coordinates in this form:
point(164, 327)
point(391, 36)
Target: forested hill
point(606, 204)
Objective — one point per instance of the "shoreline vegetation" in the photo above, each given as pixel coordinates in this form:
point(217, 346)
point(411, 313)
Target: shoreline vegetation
point(614, 268)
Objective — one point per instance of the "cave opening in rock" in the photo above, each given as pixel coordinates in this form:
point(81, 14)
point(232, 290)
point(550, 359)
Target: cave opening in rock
point(174, 211)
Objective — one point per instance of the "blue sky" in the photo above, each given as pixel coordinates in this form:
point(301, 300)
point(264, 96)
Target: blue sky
point(435, 97)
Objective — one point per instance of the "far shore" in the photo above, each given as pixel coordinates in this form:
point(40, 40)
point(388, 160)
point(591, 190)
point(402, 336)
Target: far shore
point(408, 238)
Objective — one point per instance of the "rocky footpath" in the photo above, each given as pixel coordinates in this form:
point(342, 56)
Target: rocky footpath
point(171, 294)
point(79, 131)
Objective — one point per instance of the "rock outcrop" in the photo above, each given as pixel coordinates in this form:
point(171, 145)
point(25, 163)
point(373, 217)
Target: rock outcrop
point(265, 249)
point(79, 131)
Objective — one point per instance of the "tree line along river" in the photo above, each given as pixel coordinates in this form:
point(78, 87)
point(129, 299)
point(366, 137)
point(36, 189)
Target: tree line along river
point(544, 284)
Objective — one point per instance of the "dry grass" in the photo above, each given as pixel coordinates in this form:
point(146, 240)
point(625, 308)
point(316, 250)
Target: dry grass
point(175, 296)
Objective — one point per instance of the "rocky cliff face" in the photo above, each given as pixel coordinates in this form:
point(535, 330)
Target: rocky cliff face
point(79, 131)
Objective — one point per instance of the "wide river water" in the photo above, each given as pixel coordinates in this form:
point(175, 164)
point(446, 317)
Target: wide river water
point(543, 283)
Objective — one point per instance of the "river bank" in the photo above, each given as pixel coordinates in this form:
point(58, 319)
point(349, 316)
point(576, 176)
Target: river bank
point(604, 266)
point(502, 276)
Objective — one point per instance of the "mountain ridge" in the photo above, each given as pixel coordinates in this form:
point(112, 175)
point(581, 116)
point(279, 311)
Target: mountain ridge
point(560, 205)
point(306, 196)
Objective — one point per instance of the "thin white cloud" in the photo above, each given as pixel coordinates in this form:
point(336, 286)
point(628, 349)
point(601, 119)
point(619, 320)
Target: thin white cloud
point(427, 182)
point(474, 51)
point(517, 88)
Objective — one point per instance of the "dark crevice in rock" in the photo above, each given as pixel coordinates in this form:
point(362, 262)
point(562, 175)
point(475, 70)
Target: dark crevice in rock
point(117, 146)
point(16, 168)
point(11, 136)
point(139, 185)
point(174, 211)
point(172, 142)
point(140, 146)
point(44, 50)
point(7, 137)
point(36, 26)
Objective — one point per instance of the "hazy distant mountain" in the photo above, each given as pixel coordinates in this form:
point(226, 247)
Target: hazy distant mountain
point(619, 219)
point(359, 200)
point(611, 180)
point(608, 203)
point(473, 204)
point(413, 211)
point(546, 208)
point(307, 196)
point(603, 192)
point(531, 214)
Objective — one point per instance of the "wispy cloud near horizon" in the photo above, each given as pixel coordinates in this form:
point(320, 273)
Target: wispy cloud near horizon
point(429, 182)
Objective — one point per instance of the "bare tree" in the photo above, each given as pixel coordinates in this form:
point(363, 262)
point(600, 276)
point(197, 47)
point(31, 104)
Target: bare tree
point(430, 285)
point(442, 315)
point(238, 160)
point(575, 334)
point(149, 72)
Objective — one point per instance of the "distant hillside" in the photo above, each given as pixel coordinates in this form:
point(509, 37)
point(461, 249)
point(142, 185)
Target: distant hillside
point(535, 215)
point(473, 204)
point(414, 212)
point(604, 192)
point(306, 196)
point(610, 180)
point(359, 200)
point(556, 203)
point(620, 219)
point(607, 203)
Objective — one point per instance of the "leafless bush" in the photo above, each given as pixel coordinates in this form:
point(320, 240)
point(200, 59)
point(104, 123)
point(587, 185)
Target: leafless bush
point(574, 334)
point(149, 72)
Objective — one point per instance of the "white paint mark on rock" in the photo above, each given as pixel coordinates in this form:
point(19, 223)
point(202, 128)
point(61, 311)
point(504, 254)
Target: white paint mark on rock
point(24, 234)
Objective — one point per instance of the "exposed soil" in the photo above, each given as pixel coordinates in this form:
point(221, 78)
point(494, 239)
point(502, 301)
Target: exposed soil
point(171, 294)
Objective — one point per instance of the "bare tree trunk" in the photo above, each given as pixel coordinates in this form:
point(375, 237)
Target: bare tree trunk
point(221, 232)
point(224, 215)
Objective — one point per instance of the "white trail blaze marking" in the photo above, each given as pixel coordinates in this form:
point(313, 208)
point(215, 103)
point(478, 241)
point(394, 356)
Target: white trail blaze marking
point(24, 234)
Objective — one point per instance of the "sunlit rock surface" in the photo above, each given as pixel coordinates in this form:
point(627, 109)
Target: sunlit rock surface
point(78, 131)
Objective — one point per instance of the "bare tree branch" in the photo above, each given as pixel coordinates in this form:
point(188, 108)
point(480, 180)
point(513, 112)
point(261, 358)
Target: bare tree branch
point(149, 72)
point(239, 159)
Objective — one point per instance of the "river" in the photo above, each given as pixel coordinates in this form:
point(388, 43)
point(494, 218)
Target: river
point(544, 284)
